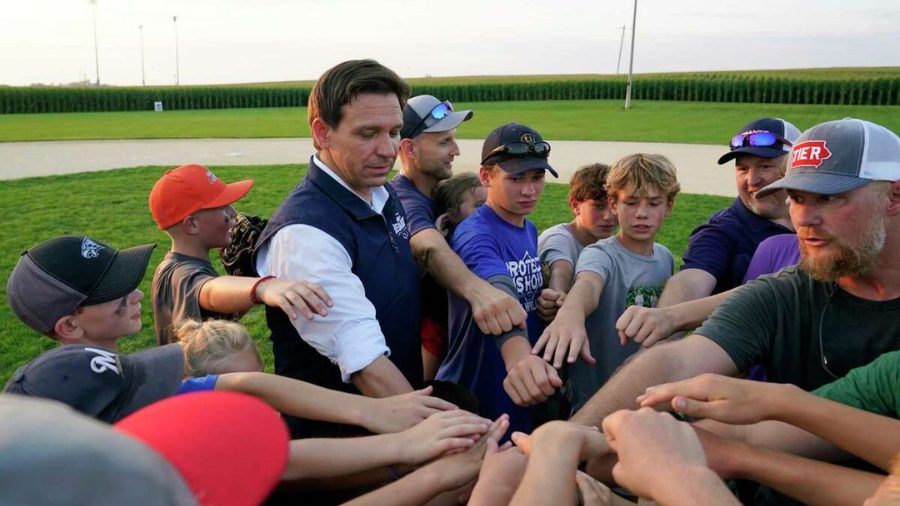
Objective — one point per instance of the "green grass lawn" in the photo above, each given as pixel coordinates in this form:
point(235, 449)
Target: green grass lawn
point(111, 206)
point(690, 122)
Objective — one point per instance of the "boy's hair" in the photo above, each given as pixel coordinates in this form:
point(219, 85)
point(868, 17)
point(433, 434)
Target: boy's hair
point(340, 84)
point(208, 344)
point(588, 183)
point(449, 193)
point(642, 171)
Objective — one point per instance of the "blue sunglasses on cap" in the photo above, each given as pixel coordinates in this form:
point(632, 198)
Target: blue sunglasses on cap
point(757, 138)
point(437, 113)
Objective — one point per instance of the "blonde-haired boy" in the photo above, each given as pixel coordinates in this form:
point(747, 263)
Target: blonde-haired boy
point(629, 268)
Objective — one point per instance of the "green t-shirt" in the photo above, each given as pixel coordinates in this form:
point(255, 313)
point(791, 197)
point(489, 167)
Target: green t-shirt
point(874, 388)
point(785, 321)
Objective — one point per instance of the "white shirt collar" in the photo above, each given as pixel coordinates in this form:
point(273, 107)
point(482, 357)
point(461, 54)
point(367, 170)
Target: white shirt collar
point(379, 195)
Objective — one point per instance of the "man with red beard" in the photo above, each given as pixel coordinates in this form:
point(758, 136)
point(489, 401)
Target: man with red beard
point(719, 251)
point(809, 324)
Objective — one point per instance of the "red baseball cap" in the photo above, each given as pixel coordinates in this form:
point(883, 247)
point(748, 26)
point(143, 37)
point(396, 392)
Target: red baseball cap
point(230, 449)
point(188, 189)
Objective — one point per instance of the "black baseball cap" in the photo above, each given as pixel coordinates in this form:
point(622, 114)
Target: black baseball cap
point(419, 116)
point(839, 156)
point(100, 383)
point(56, 277)
point(514, 133)
point(782, 130)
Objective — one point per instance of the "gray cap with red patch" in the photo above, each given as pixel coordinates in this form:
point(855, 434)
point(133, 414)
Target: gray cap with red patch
point(839, 156)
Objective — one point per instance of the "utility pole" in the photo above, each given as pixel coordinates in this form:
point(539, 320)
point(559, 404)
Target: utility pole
point(96, 51)
point(631, 60)
point(175, 21)
point(621, 43)
point(143, 74)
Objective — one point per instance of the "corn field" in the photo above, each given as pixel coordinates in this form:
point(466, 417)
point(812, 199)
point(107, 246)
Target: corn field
point(718, 87)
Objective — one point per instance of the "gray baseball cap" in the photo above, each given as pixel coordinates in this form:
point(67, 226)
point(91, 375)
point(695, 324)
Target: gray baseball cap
point(839, 156)
point(101, 383)
point(422, 114)
point(53, 456)
point(56, 277)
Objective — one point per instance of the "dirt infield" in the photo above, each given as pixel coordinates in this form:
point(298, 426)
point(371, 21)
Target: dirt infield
point(696, 163)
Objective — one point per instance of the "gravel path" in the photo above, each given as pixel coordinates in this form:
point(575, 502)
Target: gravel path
point(696, 163)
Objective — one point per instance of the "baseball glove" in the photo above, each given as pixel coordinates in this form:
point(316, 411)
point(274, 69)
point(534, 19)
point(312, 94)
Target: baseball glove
point(237, 257)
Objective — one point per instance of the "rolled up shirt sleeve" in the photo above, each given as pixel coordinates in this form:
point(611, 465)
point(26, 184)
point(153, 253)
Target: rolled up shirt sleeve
point(349, 335)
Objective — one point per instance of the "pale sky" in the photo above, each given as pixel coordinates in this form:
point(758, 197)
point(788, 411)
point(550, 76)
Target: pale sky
point(229, 41)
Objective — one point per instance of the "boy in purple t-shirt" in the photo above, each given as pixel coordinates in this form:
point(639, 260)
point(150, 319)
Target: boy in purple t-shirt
point(499, 244)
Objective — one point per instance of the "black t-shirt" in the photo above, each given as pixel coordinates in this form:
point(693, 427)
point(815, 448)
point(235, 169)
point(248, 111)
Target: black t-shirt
point(786, 321)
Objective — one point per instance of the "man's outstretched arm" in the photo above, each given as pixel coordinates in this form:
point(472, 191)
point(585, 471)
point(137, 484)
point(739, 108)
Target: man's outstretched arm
point(688, 284)
point(494, 311)
point(675, 361)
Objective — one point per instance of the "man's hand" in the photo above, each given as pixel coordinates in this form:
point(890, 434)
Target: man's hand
point(548, 304)
point(654, 450)
point(720, 398)
point(495, 312)
point(531, 381)
point(400, 412)
point(645, 325)
point(500, 474)
point(295, 297)
point(564, 339)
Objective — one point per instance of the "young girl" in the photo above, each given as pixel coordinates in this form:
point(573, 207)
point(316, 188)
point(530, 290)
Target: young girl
point(454, 199)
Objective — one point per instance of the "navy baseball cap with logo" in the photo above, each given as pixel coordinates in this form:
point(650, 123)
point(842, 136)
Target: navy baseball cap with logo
point(101, 383)
point(765, 137)
point(516, 149)
point(56, 277)
point(425, 113)
point(839, 156)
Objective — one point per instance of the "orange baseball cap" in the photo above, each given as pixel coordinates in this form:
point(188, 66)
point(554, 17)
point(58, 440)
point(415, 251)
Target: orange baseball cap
point(188, 189)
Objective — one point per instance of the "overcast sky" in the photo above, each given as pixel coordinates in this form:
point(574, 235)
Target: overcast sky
point(228, 41)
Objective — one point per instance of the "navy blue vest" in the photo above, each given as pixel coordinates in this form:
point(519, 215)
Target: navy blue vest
point(378, 245)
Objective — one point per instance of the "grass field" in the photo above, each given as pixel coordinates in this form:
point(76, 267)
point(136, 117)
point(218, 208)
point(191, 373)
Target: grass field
point(111, 206)
point(690, 122)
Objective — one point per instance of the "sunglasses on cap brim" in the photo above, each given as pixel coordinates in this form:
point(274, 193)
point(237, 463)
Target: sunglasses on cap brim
point(436, 113)
point(519, 150)
point(758, 139)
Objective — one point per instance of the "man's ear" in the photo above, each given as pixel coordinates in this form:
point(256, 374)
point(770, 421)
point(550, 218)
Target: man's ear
point(612, 204)
point(408, 147)
point(670, 204)
point(893, 204)
point(67, 330)
point(321, 132)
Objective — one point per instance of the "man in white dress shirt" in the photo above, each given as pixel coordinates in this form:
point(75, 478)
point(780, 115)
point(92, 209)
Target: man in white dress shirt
point(343, 228)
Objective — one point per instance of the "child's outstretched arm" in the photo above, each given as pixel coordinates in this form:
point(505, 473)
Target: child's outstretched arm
point(237, 294)
point(305, 400)
point(449, 431)
point(566, 337)
point(448, 473)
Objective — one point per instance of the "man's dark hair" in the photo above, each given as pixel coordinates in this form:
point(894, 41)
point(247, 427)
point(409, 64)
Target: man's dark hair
point(340, 84)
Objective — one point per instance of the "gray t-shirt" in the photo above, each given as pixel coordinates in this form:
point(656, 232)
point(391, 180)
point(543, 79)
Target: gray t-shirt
point(176, 294)
point(628, 279)
point(558, 243)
